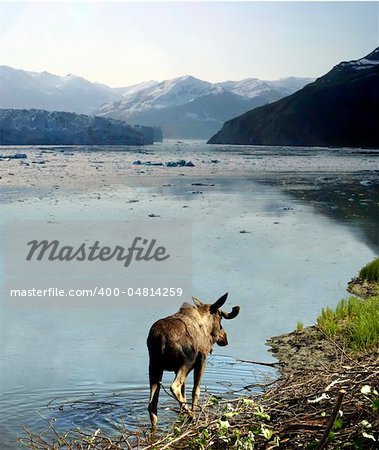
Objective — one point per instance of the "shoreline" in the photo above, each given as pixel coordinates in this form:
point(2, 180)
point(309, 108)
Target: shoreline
point(300, 409)
point(301, 351)
point(304, 350)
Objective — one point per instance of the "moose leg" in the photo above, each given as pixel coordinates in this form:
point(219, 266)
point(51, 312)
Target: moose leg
point(155, 376)
point(197, 375)
point(178, 386)
point(184, 392)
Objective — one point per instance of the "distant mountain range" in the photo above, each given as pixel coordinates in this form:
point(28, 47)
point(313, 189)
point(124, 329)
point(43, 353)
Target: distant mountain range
point(185, 107)
point(40, 127)
point(20, 89)
point(339, 109)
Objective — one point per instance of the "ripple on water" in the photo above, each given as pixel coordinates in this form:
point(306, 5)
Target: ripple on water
point(91, 405)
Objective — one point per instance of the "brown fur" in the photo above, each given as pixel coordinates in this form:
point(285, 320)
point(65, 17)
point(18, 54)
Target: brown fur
point(181, 343)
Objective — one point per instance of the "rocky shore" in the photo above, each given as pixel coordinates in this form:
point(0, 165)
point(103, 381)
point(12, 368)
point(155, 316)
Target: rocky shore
point(303, 351)
point(363, 288)
point(307, 349)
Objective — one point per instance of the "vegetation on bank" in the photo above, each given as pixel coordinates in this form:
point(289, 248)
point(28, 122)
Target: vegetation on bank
point(370, 272)
point(367, 283)
point(355, 322)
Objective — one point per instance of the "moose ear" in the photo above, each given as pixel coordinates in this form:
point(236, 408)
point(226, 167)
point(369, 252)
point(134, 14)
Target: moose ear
point(218, 303)
point(197, 301)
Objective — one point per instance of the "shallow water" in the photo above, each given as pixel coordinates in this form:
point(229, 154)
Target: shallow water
point(308, 224)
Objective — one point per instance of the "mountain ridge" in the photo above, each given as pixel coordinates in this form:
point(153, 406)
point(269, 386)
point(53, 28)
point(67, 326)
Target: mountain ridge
point(338, 109)
point(185, 107)
point(150, 103)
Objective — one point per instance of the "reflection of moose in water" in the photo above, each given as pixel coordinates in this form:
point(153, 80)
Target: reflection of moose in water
point(182, 342)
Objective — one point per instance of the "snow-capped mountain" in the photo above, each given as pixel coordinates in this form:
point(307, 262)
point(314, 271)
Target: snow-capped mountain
point(349, 68)
point(182, 90)
point(23, 89)
point(249, 88)
point(175, 92)
point(133, 89)
point(253, 87)
point(160, 95)
point(289, 85)
point(185, 107)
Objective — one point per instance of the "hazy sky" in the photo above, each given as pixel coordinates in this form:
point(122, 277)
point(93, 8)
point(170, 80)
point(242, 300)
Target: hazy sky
point(122, 43)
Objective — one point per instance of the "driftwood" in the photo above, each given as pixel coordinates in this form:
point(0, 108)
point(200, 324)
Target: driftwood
point(332, 419)
point(259, 363)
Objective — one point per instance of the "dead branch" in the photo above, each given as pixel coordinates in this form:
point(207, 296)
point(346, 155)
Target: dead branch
point(331, 421)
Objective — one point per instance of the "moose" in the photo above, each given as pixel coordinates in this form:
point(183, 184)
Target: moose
point(181, 343)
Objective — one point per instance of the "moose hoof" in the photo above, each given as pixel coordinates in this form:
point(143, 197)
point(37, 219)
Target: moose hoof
point(189, 412)
point(152, 436)
point(186, 411)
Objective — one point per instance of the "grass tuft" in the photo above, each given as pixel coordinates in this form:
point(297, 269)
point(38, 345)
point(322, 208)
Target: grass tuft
point(370, 272)
point(355, 321)
point(299, 326)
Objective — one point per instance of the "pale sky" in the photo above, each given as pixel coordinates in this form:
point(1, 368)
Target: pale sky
point(122, 43)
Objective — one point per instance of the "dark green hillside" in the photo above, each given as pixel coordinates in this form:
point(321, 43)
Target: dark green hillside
point(339, 109)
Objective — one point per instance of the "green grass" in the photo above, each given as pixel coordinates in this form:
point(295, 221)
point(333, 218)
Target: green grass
point(355, 321)
point(370, 272)
point(299, 326)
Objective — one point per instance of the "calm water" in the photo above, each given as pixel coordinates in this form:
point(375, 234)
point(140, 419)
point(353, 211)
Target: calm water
point(309, 223)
